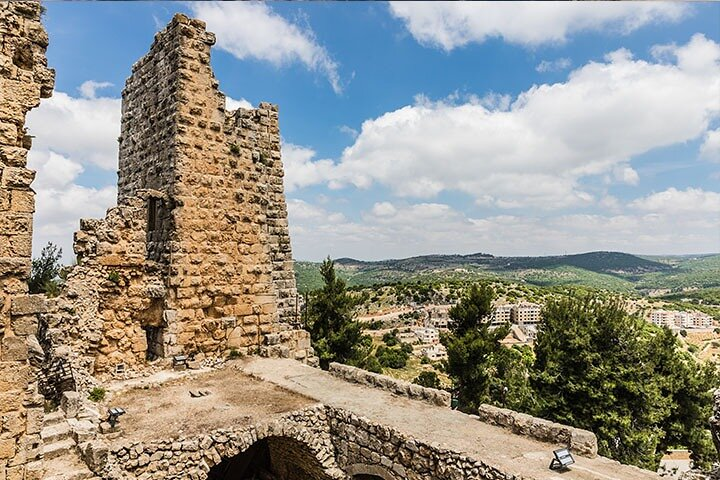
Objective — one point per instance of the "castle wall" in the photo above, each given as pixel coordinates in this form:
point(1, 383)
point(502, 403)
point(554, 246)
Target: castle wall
point(24, 79)
point(196, 257)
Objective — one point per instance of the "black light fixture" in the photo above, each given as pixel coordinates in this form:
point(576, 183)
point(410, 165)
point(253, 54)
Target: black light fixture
point(563, 459)
point(179, 362)
point(114, 415)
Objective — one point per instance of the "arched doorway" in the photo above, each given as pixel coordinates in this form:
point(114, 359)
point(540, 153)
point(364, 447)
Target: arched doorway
point(272, 458)
point(361, 471)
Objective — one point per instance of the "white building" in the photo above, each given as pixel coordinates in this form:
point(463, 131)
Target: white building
point(527, 314)
point(501, 314)
point(435, 353)
point(680, 319)
point(437, 316)
point(427, 336)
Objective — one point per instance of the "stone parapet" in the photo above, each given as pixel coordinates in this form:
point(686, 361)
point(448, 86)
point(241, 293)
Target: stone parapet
point(399, 387)
point(579, 441)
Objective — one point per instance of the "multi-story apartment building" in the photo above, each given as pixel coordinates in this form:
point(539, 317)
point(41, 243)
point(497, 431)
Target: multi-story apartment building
point(437, 316)
point(435, 353)
point(680, 319)
point(527, 314)
point(501, 314)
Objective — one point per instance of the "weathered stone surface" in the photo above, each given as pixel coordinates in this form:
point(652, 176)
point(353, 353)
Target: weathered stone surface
point(578, 440)
point(185, 264)
point(434, 396)
point(24, 79)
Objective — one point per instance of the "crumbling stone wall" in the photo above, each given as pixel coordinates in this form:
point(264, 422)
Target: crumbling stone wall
point(196, 257)
point(24, 79)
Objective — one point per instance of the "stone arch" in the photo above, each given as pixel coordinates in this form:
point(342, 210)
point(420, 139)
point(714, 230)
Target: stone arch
point(362, 471)
point(283, 449)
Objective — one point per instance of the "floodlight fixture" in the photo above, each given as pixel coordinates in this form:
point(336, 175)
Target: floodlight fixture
point(114, 415)
point(563, 459)
point(179, 361)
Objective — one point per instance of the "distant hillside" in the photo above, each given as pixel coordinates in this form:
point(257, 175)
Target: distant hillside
point(601, 262)
point(607, 270)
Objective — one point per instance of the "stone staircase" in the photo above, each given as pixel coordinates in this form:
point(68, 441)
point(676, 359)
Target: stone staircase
point(61, 461)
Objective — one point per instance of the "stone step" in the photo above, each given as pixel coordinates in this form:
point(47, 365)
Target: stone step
point(55, 433)
point(56, 449)
point(67, 467)
point(53, 418)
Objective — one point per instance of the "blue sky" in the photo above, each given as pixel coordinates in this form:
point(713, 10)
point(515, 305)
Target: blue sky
point(507, 128)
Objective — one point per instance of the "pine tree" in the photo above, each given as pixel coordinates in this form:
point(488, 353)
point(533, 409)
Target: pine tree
point(336, 335)
point(45, 270)
point(483, 370)
point(599, 368)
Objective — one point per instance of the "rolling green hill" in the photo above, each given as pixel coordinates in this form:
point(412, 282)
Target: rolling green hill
point(614, 271)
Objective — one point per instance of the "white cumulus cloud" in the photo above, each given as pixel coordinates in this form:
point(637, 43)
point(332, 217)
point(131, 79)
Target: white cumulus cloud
point(448, 25)
point(301, 169)
point(89, 88)
point(397, 230)
point(254, 30)
point(60, 202)
point(536, 151)
point(84, 129)
point(553, 65)
point(232, 104)
point(710, 148)
point(689, 201)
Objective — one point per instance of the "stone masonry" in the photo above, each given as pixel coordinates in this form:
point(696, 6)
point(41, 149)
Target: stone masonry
point(24, 79)
point(196, 258)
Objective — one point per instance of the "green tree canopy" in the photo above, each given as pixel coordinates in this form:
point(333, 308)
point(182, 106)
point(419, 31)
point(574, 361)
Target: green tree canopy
point(336, 335)
point(482, 369)
point(44, 274)
point(427, 379)
point(604, 370)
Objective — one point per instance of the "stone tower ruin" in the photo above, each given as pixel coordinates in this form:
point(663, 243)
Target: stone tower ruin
point(196, 257)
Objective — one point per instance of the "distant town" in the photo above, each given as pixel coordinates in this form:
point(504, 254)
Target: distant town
point(421, 325)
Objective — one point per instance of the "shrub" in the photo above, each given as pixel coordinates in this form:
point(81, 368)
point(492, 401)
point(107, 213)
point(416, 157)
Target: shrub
point(97, 394)
point(234, 353)
point(114, 277)
point(427, 379)
point(390, 338)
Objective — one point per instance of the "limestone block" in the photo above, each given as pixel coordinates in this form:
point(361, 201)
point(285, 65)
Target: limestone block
point(34, 471)
point(70, 404)
point(13, 424)
point(15, 473)
point(34, 420)
point(8, 133)
point(28, 304)
point(7, 448)
point(14, 349)
point(24, 324)
point(584, 442)
point(13, 376)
